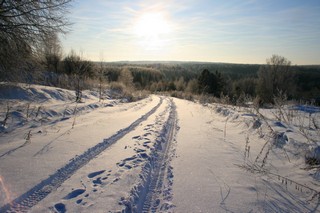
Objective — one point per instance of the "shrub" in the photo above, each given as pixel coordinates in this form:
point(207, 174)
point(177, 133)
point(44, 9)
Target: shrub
point(312, 157)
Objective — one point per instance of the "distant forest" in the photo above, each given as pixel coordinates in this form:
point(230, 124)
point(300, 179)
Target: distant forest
point(236, 82)
point(233, 80)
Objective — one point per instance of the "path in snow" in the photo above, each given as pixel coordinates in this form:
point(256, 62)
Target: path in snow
point(155, 191)
point(130, 175)
point(53, 145)
point(41, 190)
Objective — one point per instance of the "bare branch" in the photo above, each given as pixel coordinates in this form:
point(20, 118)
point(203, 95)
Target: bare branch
point(26, 23)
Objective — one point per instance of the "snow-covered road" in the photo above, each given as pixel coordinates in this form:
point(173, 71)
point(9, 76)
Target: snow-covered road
point(159, 154)
point(117, 152)
point(209, 180)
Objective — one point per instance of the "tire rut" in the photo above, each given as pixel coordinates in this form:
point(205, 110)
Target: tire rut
point(157, 173)
point(37, 193)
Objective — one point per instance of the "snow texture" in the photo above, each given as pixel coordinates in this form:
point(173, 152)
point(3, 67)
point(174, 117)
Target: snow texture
point(158, 154)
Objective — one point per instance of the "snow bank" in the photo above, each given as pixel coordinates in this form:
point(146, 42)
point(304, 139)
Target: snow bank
point(36, 93)
point(34, 105)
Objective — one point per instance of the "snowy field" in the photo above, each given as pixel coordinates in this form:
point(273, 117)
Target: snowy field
point(159, 154)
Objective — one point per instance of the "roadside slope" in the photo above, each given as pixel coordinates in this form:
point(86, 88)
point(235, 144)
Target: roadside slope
point(206, 175)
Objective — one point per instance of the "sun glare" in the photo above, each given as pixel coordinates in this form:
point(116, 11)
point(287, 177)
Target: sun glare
point(152, 30)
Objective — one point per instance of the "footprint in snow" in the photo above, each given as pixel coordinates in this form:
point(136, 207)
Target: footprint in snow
point(149, 126)
point(60, 208)
point(143, 155)
point(133, 158)
point(128, 166)
point(124, 161)
point(97, 181)
point(74, 193)
point(146, 142)
point(116, 180)
point(137, 161)
point(106, 177)
point(93, 174)
point(131, 162)
point(139, 150)
point(130, 158)
point(121, 164)
point(147, 134)
point(137, 137)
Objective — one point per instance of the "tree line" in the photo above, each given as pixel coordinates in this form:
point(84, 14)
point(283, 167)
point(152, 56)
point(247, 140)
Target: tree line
point(263, 82)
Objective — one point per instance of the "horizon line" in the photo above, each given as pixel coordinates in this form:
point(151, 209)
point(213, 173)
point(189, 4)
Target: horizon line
point(197, 62)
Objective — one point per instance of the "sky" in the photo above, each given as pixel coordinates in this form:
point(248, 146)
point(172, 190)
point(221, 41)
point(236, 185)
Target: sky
point(233, 31)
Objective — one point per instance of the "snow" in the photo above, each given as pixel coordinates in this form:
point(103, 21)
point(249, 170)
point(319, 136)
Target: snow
point(158, 154)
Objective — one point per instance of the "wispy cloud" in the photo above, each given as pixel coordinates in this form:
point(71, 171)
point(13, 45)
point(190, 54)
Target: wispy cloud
point(199, 28)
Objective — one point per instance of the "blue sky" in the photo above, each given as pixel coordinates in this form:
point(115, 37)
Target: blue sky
point(235, 31)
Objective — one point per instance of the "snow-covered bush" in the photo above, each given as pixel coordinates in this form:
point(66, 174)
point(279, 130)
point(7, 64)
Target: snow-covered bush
point(313, 156)
point(127, 94)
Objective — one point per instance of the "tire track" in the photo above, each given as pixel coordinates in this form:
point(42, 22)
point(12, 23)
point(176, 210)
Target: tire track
point(30, 198)
point(156, 176)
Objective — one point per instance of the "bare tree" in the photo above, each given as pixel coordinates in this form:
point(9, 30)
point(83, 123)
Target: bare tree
point(126, 77)
point(100, 74)
point(25, 23)
point(50, 52)
point(80, 69)
point(276, 76)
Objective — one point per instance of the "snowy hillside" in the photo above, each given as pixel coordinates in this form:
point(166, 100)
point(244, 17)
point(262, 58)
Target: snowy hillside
point(159, 154)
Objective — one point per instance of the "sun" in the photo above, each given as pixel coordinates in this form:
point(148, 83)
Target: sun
point(152, 24)
point(152, 30)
